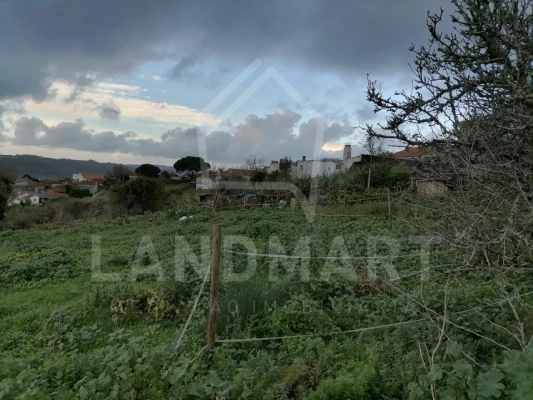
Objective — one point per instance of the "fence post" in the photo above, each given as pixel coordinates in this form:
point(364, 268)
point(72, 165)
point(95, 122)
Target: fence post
point(388, 201)
point(213, 294)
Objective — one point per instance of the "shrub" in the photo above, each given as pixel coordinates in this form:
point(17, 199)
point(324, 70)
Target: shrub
point(57, 264)
point(139, 195)
point(356, 381)
point(80, 193)
point(304, 184)
point(57, 211)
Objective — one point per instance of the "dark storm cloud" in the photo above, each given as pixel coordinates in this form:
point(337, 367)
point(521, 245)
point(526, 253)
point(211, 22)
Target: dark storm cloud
point(270, 137)
point(109, 111)
point(183, 66)
point(44, 40)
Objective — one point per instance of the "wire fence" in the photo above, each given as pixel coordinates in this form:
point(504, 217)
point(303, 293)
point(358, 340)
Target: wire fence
point(268, 255)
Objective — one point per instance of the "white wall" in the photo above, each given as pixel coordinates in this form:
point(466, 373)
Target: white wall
point(347, 164)
point(315, 168)
point(205, 183)
point(273, 167)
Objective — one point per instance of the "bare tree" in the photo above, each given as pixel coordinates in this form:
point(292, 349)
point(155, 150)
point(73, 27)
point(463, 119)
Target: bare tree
point(374, 147)
point(255, 163)
point(119, 171)
point(471, 106)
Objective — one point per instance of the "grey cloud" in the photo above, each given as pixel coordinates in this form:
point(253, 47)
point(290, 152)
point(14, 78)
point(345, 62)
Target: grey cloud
point(109, 111)
point(183, 66)
point(271, 136)
point(365, 113)
point(47, 40)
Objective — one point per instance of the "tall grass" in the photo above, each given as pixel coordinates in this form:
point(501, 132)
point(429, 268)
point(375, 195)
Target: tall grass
point(244, 302)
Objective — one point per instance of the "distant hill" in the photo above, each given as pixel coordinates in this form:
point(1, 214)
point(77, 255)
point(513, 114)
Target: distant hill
point(50, 168)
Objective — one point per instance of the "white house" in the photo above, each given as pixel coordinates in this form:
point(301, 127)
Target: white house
point(313, 168)
point(274, 166)
point(35, 199)
point(205, 183)
point(86, 176)
point(20, 199)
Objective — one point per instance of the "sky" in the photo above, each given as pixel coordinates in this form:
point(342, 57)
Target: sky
point(136, 81)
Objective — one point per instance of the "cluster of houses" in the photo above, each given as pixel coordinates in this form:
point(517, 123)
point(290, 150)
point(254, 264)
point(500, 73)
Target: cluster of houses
point(313, 168)
point(328, 166)
point(30, 191)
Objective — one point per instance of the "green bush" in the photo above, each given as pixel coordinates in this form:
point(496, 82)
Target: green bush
point(139, 195)
point(80, 193)
point(357, 380)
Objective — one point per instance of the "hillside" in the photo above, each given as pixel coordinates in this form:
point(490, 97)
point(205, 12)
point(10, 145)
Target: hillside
point(44, 167)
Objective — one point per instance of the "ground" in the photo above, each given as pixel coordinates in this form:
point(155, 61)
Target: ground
point(345, 333)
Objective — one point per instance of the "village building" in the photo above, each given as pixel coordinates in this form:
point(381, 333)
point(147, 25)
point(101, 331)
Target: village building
point(47, 197)
point(86, 176)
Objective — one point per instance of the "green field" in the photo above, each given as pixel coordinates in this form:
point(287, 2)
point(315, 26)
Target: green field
point(65, 335)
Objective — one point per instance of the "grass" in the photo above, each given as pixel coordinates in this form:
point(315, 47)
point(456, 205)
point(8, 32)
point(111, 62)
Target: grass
point(63, 335)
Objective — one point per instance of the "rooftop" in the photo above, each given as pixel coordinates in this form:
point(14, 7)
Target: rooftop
point(53, 196)
point(411, 152)
point(90, 175)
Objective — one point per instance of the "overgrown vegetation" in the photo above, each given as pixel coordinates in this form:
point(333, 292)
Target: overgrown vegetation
point(139, 195)
point(407, 298)
point(65, 333)
point(79, 193)
point(58, 211)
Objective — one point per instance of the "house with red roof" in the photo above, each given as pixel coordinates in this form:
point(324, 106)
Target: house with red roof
point(86, 176)
point(412, 153)
point(47, 197)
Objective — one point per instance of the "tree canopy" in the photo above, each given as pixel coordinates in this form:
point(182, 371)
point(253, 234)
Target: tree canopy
point(471, 106)
point(191, 165)
point(120, 172)
point(148, 170)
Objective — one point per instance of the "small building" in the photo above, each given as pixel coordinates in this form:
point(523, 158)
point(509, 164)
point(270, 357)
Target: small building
point(48, 197)
point(23, 182)
point(429, 187)
point(91, 186)
point(23, 198)
point(206, 183)
point(86, 176)
point(412, 153)
point(35, 199)
point(59, 188)
point(312, 168)
point(274, 166)
point(12, 197)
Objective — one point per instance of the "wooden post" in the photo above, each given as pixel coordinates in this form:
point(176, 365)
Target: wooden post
point(388, 201)
point(213, 295)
